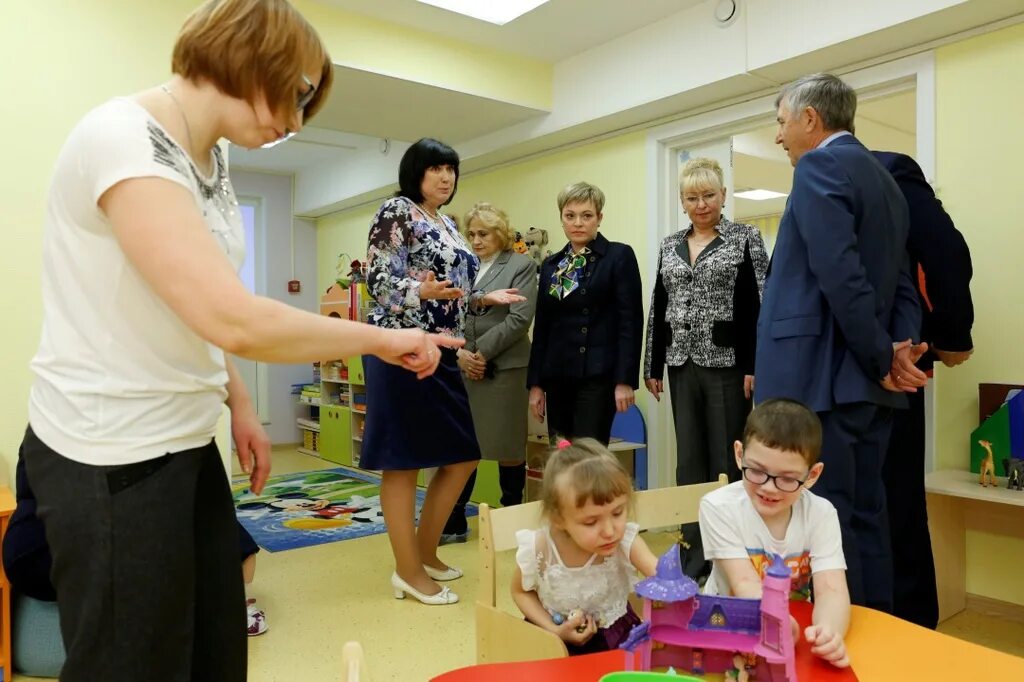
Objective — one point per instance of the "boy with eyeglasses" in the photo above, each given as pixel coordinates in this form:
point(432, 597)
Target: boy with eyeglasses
point(772, 511)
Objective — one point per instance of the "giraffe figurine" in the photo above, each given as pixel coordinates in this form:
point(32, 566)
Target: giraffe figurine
point(987, 464)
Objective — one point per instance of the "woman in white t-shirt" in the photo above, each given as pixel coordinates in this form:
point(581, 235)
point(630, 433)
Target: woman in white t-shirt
point(141, 307)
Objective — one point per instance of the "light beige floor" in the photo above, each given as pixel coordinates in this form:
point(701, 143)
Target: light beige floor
point(318, 598)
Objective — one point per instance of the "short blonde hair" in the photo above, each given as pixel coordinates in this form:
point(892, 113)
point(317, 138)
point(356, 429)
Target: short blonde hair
point(701, 173)
point(581, 192)
point(493, 218)
point(246, 48)
point(588, 470)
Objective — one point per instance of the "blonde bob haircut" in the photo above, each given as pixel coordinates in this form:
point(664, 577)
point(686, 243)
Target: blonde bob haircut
point(581, 193)
point(493, 218)
point(248, 48)
point(582, 471)
point(701, 173)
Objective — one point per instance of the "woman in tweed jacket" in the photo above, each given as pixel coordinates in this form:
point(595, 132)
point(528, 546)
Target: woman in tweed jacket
point(703, 325)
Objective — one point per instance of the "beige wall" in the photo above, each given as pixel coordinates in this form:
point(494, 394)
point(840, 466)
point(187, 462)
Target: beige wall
point(60, 59)
point(979, 151)
point(527, 192)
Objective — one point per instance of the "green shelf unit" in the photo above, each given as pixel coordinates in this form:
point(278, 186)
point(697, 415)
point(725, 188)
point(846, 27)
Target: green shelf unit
point(336, 434)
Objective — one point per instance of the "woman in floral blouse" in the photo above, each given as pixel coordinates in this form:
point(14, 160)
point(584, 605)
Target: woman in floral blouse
point(703, 325)
point(420, 273)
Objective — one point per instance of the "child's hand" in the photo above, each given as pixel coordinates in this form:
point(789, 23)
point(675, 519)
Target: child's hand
point(827, 644)
point(577, 629)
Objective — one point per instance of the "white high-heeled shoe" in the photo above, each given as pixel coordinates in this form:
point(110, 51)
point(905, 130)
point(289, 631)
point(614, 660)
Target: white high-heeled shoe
point(402, 588)
point(450, 573)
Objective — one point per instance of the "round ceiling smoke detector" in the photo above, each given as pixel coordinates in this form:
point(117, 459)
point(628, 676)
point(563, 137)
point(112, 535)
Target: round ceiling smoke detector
point(726, 12)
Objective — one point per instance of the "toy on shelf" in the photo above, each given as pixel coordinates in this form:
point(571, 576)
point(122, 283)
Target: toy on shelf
point(751, 638)
point(988, 469)
point(1003, 431)
point(356, 271)
point(1014, 473)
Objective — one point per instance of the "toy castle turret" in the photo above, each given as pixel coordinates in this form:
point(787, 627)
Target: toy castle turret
point(704, 633)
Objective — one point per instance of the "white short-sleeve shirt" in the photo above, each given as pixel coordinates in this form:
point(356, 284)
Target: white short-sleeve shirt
point(731, 528)
point(119, 378)
point(599, 588)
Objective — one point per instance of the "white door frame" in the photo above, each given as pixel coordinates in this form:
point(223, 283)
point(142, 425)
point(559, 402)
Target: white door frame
point(662, 195)
point(262, 396)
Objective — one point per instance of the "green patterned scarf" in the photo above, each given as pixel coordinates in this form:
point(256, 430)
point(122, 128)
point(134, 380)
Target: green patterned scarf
point(567, 277)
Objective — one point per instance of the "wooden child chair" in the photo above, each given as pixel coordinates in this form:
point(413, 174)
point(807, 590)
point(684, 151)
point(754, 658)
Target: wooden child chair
point(353, 665)
point(506, 638)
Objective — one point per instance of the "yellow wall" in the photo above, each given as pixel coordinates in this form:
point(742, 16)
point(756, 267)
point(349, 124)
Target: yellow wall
point(527, 191)
point(60, 59)
point(365, 43)
point(979, 147)
point(342, 232)
point(768, 226)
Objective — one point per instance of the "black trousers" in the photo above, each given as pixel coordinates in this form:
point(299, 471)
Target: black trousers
point(581, 408)
point(914, 593)
point(145, 563)
point(709, 411)
point(855, 439)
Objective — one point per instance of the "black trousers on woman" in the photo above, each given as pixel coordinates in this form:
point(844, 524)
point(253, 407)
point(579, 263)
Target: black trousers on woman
point(145, 563)
point(581, 408)
point(709, 411)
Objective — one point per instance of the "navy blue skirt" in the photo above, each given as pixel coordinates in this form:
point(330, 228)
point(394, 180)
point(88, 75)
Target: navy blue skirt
point(416, 423)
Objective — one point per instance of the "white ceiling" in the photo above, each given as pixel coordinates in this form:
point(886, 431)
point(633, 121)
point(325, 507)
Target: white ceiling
point(552, 32)
point(309, 148)
point(383, 106)
point(365, 107)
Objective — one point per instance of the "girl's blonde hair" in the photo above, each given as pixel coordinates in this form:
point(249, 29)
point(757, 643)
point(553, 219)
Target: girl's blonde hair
point(586, 469)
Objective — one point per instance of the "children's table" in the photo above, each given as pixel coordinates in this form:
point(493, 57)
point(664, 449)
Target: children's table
point(882, 648)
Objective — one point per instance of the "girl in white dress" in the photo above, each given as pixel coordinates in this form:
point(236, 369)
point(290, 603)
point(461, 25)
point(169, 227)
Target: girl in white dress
point(574, 574)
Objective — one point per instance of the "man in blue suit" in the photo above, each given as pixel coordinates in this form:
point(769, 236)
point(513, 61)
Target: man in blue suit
point(840, 314)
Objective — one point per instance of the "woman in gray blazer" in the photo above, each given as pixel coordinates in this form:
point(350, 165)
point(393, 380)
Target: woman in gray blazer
point(495, 358)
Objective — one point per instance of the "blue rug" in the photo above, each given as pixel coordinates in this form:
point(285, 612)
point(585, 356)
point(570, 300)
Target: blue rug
point(314, 508)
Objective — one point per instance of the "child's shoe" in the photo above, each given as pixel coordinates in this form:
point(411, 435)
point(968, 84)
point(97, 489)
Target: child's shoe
point(257, 618)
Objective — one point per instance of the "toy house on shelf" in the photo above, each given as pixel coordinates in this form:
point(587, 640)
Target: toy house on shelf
point(713, 634)
point(997, 445)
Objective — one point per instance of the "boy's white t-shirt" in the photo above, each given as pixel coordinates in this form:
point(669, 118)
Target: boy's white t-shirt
point(119, 377)
point(731, 528)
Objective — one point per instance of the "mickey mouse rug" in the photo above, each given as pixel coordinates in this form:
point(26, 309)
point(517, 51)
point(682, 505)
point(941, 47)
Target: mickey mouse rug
point(313, 508)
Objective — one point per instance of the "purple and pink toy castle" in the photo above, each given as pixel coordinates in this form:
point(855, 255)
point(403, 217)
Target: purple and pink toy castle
point(704, 633)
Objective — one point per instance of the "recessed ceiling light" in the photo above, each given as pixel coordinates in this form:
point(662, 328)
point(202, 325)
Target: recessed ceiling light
point(758, 194)
point(498, 12)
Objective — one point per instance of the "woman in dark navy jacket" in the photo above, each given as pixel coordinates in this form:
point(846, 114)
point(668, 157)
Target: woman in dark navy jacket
point(585, 359)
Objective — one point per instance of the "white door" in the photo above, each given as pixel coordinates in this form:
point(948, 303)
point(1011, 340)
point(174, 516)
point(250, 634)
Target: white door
point(252, 274)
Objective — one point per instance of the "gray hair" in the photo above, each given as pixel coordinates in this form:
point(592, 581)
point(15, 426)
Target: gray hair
point(834, 100)
point(581, 192)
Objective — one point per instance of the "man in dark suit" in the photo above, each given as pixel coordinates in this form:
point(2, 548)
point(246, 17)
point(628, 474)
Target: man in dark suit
point(942, 262)
point(839, 315)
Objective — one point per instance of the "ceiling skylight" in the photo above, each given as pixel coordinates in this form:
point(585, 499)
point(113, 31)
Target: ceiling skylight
point(758, 194)
point(494, 11)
